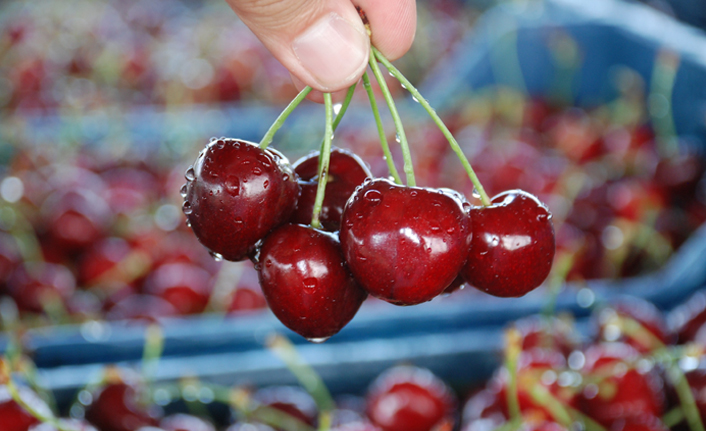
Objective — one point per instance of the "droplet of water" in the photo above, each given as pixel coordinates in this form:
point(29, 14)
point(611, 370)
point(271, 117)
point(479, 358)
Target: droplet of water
point(232, 185)
point(397, 138)
point(475, 193)
point(182, 191)
point(285, 177)
point(265, 184)
point(216, 256)
point(373, 196)
point(257, 170)
point(317, 340)
point(451, 229)
point(186, 207)
point(310, 283)
point(190, 174)
point(413, 193)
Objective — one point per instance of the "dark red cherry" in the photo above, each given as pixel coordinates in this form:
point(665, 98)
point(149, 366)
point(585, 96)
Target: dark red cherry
point(650, 332)
point(346, 172)
point(184, 422)
point(35, 286)
point(292, 400)
point(513, 245)
point(115, 407)
point(306, 281)
point(186, 286)
point(141, 307)
point(409, 398)
point(235, 194)
point(13, 417)
point(404, 245)
point(624, 389)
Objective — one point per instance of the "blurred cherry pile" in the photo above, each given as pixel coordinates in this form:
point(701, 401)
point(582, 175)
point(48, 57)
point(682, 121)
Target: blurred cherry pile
point(85, 55)
point(84, 237)
point(631, 367)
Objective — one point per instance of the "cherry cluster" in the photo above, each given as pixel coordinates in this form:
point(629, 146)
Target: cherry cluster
point(405, 245)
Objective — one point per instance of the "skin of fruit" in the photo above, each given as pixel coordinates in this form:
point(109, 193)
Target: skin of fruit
point(346, 172)
point(513, 245)
point(115, 408)
point(292, 400)
point(13, 417)
point(235, 194)
point(36, 285)
point(306, 282)
point(404, 245)
point(409, 398)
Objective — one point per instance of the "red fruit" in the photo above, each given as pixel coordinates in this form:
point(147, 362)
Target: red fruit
point(186, 286)
point(404, 245)
point(70, 424)
point(686, 319)
point(36, 285)
point(626, 392)
point(16, 418)
point(306, 281)
point(10, 257)
point(549, 333)
point(483, 411)
point(513, 245)
point(247, 296)
point(408, 398)
point(142, 307)
point(115, 408)
point(639, 423)
point(98, 263)
point(184, 422)
point(346, 172)
point(292, 400)
point(697, 382)
point(235, 194)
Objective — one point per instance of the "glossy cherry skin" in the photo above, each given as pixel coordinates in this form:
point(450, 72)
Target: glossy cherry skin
point(34, 285)
point(513, 245)
point(186, 286)
point(627, 392)
point(346, 172)
point(653, 332)
point(409, 398)
point(306, 282)
point(13, 417)
point(235, 194)
point(404, 245)
point(292, 400)
point(115, 408)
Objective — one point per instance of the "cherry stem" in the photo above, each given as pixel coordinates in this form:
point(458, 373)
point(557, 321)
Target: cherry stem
point(401, 136)
point(682, 388)
point(307, 377)
point(344, 106)
point(154, 346)
point(513, 348)
point(485, 200)
point(324, 160)
point(6, 378)
point(267, 139)
point(381, 130)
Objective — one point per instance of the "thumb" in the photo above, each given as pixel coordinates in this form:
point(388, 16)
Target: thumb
point(323, 43)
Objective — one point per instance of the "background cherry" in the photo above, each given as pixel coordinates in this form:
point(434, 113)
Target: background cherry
point(404, 245)
point(409, 398)
point(513, 245)
point(306, 281)
point(115, 407)
point(235, 194)
point(346, 172)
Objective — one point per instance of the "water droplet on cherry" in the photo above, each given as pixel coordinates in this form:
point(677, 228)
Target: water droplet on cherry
point(186, 207)
point(373, 196)
point(190, 174)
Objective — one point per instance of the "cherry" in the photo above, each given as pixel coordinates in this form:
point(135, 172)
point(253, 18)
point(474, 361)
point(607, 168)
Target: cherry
point(35, 285)
point(483, 411)
point(115, 407)
point(247, 296)
point(513, 245)
point(346, 172)
point(650, 336)
point(686, 319)
point(551, 333)
point(624, 391)
point(639, 423)
point(141, 307)
point(186, 286)
point(306, 282)
point(10, 257)
point(404, 245)
point(409, 398)
point(235, 194)
point(71, 424)
point(184, 422)
point(292, 400)
point(100, 260)
point(13, 417)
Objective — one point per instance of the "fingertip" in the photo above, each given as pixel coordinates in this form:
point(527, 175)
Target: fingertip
point(393, 25)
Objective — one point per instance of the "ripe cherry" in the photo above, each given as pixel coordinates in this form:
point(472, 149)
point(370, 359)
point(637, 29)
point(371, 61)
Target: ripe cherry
point(346, 172)
point(37, 285)
point(13, 417)
point(306, 281)
point(625, 391)
point(647, 328)
point(235, 194)
point(404, 245)
point(409, 398)
point(292, 400)
point(186, 286)
point(115, 407)
point(513, 245)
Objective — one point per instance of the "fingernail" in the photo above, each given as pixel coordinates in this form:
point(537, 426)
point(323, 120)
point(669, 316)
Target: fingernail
point(333, 50)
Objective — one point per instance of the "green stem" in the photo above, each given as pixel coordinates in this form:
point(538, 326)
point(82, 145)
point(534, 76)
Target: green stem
point(344, 106)
point(324, 159)
point(307, 377)
point(406, 155)
point(381, 130)
point(485, 200)
point(512, 353)
point(673, 417)
point(282, 117)
point(686, 398)
point(661, 88)
point(154, 346)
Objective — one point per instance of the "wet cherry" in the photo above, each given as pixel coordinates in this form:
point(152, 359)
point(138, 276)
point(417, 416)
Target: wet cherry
point(346, 172)
point(404, 245)
point(306, 281)
point(235, 194)
point(513, 245)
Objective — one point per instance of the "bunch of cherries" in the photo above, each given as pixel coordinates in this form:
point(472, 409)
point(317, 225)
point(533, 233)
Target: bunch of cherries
point(324, 234)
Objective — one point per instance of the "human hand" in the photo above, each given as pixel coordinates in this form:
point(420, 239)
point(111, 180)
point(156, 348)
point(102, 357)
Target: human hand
point(323, 43)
